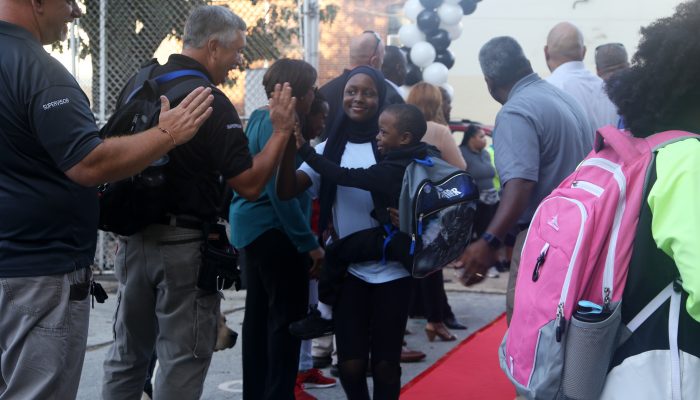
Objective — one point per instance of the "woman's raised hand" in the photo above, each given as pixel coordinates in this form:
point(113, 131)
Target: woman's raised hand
point(298, 136)
point(282, 109)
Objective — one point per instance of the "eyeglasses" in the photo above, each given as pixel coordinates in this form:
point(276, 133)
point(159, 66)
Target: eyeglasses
point(376, 46)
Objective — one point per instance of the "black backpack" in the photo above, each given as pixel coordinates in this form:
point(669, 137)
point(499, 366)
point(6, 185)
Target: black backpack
point(129, 205)
point(436, 208)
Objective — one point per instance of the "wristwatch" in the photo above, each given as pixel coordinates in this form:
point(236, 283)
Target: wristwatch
point(491, 240)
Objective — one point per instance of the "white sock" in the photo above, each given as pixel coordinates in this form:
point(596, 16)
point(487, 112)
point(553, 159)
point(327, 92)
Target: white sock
point(325, 310)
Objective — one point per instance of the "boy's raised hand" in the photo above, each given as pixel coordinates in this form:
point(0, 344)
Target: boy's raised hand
point(394, 215)
point(317, 255)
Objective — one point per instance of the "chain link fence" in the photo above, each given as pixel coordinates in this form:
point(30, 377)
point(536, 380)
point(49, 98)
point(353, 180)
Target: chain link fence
point(114, 37)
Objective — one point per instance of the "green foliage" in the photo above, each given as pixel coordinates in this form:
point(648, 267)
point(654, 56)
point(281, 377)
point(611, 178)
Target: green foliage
point(276, 30)
point(136, 28)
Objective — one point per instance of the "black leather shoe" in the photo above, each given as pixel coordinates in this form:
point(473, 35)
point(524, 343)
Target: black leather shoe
point(452, 323)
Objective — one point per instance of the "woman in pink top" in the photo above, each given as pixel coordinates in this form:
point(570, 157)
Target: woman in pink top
point(428, 99)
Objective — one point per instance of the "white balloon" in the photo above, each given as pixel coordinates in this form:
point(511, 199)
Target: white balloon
point(412, 8)
point(455, 2)
point(423, 54)
point(454, 31)
point(450, 90)
point(435, 74)
point(410, 34)
point(449, 14)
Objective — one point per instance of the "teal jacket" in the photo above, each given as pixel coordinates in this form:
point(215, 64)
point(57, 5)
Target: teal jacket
point(250, 219)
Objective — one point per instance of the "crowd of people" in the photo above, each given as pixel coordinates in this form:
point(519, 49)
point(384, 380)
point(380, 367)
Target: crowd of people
point(324, 263)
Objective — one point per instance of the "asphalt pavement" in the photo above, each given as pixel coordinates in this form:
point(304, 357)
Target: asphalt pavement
point(475, 307)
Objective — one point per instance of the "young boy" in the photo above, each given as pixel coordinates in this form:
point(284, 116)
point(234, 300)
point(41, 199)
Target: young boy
point(401, 128)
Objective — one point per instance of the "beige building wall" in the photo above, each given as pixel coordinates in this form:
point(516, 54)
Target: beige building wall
point(529, 21)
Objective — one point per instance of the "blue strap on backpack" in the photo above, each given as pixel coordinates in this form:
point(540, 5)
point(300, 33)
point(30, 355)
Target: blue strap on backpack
point(161, 79)
point(390, 232)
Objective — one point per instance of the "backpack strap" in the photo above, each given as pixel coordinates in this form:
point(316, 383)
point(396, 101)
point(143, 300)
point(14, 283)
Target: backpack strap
point(620, 141)
point(427, 161)
point(672, 291)
point(141, 77)
point(665, 138)
point(182, 89)
point(650, 308)
point(142, 80)
point(390, 233)
point(161, 79)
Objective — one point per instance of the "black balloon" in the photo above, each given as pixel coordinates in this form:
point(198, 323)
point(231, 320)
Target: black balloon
point(440, 39)
point(430, 4)
point(446, 58)
point(468, 6)
point(428, 21)
point(414, 75)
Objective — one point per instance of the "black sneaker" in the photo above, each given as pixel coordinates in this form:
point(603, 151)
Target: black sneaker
point(312, 326)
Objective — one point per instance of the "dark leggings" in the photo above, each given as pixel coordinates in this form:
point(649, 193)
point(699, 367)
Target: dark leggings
point(277, 278)
point(434, 297)
point(370, 320)
point(482, 218)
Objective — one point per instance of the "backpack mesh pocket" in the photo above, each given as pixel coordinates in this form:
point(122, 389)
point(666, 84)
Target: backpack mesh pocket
point(589, 350)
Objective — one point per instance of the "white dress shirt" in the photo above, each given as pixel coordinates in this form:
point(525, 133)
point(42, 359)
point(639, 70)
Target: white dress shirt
point(588, 89)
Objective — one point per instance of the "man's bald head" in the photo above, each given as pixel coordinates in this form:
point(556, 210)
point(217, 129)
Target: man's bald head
point(366, 49)
point(564, 44)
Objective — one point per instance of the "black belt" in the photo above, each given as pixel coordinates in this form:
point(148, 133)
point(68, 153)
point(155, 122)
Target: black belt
point(181, 222)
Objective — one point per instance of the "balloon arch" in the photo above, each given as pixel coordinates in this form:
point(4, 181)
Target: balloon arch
point(426, 42)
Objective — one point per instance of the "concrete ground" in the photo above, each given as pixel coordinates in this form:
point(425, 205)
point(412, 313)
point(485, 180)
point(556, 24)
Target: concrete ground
point(475, 307)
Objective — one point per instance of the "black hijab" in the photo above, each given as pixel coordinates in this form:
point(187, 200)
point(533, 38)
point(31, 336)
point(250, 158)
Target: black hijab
point(343, 130)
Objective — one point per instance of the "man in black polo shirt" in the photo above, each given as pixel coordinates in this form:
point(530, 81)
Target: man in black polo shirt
point(159, 304)
point(51, 160)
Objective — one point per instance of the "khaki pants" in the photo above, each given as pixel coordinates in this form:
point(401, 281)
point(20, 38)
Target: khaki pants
point(158, 303)
point(43, 336)
point(513, 276)
point(322, 346)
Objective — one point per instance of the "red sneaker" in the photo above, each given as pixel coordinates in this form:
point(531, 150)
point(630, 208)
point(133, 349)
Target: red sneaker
point(313, 378)
point(300, 394)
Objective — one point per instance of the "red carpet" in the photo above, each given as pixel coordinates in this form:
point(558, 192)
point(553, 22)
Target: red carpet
point(469, 371)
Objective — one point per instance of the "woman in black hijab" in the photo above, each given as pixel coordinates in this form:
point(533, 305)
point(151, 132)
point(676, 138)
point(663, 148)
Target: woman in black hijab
point(374, 297)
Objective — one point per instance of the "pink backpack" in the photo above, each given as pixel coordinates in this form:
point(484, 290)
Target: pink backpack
point(578, 247)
